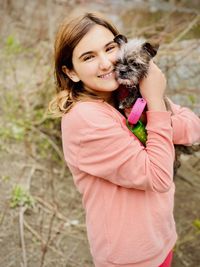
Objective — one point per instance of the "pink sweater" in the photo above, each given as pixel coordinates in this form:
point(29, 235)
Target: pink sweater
point(127, 189)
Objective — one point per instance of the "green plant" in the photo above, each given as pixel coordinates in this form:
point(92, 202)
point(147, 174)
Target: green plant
point(12, 131)
point(192, 99)
point(196, 223)
point(20, 197)
point(12, 47)
point(5, 178)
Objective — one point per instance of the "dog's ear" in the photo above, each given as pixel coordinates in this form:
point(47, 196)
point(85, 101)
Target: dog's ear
point(150, 49)
point(120, 39)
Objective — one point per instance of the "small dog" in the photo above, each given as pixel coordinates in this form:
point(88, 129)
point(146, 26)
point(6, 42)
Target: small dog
point(132, 65)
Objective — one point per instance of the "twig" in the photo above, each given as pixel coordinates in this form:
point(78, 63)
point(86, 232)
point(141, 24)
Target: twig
point(2, 215)
point(46, 245)
point(51, 142)
point(72, 251)
point(10, 255)
point(40, 239)
point(31, 165)
point(30, 177)
point(189, 27)
point(182, 177)
point(187, 238)
point(21, 216)
point(184, 263)
point(21, 225)
point(57, 213)
point(50, 207)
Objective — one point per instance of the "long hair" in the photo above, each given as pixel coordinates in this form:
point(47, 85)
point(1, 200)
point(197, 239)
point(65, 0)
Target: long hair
point(69, 34)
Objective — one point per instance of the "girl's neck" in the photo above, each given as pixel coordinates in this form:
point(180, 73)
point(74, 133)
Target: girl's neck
point(111, 102)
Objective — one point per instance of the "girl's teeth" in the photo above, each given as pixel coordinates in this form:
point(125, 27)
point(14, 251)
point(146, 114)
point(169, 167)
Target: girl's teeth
point(106, 75)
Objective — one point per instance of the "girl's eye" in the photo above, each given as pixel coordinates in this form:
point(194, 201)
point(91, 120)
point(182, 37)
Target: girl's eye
point(110, 48)
point(88, 57)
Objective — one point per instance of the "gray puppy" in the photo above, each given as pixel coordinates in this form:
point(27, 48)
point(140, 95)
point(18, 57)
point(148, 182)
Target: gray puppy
point(131, 66)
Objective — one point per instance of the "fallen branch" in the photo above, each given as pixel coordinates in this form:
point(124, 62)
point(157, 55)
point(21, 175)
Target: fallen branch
point(189, 27)
point(46, 244)
point(59, 215)
point(50, 141)
point(30, 229)
point(21, 227)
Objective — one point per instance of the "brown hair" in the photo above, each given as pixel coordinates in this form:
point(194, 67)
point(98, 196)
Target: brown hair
point(68, 36)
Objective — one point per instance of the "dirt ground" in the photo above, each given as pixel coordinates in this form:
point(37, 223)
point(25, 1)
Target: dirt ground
point(41, 216)
point(54, 231)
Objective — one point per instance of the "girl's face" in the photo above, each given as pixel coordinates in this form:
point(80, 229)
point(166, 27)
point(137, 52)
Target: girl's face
point(93, 61)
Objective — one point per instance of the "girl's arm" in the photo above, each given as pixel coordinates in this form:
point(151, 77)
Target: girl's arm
point(108, 150)
point(185, 124)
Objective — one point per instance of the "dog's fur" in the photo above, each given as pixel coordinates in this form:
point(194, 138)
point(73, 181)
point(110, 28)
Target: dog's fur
point(131, 66)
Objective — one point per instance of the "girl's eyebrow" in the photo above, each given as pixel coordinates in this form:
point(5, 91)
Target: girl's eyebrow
point(89, 52)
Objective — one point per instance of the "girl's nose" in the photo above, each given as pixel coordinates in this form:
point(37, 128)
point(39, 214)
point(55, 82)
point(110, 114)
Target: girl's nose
point(105, 62)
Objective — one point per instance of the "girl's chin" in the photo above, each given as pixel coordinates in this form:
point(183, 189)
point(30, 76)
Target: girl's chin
point(112, 85)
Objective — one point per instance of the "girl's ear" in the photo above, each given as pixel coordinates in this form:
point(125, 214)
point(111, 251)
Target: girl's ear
point(71, 74)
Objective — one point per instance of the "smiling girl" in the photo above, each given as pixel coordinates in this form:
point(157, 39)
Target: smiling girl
point(127, 189)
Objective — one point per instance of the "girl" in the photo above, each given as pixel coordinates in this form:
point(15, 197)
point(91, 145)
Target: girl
point(127, 189)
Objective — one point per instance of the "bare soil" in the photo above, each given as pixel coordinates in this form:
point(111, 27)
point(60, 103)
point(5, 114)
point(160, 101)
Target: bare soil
point(54, 231)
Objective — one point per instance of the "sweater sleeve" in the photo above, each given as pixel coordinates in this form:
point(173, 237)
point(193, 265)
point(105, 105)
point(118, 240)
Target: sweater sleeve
point(110, 152)
point(186, 125)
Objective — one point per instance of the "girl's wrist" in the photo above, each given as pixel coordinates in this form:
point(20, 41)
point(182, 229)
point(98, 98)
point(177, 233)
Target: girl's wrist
point(156, 105)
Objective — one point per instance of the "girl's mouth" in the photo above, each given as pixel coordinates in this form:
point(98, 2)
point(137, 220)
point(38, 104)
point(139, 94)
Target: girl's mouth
point(107, 75)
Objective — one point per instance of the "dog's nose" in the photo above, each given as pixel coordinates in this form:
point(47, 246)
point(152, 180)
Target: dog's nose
point(122, 72)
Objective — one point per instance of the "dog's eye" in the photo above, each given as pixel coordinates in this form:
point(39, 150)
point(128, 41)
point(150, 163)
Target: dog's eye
point(133, 63)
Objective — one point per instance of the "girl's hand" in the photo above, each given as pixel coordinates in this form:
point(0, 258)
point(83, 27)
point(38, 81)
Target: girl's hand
point(152, 88)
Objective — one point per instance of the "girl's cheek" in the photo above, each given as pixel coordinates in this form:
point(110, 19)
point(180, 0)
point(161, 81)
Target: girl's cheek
point(92, 67)
point(88, 69)
point(114, 56)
